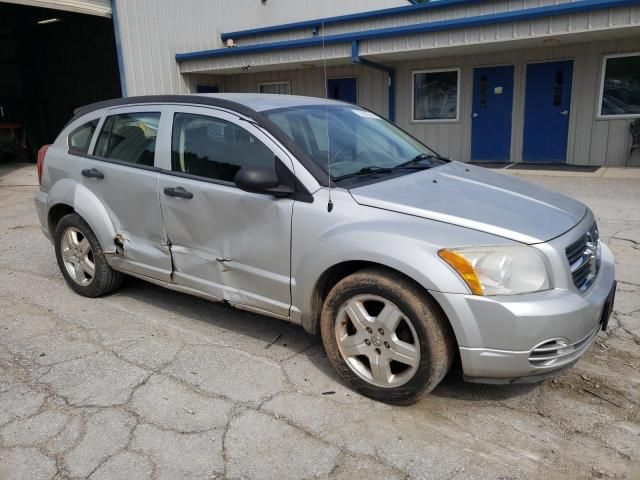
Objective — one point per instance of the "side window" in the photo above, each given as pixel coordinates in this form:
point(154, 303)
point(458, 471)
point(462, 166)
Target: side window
point(80, 138)
point(214, 148)
point(129, 137)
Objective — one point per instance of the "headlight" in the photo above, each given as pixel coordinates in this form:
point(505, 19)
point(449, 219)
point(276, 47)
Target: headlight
point(503, 270)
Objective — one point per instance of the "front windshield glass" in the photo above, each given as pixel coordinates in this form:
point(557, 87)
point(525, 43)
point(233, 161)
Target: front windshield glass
point(353, 140)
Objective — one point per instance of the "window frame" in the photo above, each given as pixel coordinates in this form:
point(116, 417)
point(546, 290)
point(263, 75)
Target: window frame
point(159, 109)
point(279, 82)
point(458, 71)
point(603, 68)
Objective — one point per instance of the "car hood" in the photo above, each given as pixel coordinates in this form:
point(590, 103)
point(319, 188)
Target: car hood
point(477, 198)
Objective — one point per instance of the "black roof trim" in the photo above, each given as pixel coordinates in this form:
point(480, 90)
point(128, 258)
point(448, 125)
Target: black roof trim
point(314, 169)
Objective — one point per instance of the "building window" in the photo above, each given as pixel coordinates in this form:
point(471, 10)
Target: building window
point(620, 86)
point(207, 89)
point(282, 88)
point(435, 95)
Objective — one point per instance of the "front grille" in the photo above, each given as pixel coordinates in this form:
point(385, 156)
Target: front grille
point(558, 351)
point(584, 259)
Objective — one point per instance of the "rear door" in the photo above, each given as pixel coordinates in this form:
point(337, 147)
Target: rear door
point(122, 174)
point(228, 243)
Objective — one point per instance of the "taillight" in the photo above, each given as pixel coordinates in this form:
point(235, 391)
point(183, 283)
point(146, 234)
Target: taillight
point(41, 154)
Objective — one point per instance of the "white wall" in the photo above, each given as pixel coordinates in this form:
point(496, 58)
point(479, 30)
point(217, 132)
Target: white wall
point(153, 31)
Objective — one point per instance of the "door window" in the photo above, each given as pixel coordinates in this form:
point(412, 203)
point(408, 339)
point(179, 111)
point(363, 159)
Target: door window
point(214, 148)
point(129, 137)
point(80, 138)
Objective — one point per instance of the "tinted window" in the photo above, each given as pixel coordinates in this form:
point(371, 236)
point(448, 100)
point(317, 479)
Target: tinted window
point(435, 95)
point(213, 148)
point(129, 137)
point(80, 138)
point(621, 88)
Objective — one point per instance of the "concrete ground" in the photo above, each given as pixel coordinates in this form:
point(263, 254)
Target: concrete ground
point(148, 383)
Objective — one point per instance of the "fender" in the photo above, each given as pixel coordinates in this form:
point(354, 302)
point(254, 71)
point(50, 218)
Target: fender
point(88, 206)
point(398, 241)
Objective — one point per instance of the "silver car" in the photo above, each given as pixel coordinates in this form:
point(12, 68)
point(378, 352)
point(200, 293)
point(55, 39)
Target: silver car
point(326, 215)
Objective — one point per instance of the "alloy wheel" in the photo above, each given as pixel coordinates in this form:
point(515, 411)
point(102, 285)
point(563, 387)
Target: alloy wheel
point(377, 340)
point(77, 256)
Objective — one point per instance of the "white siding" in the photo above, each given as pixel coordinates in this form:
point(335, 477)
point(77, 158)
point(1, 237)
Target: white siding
point(153, 31)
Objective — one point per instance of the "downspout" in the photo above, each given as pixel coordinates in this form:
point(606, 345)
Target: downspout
point(355, 58)
point(116, 33)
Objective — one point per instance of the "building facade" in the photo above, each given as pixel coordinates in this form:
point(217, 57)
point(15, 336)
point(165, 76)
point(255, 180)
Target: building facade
point(541, 81)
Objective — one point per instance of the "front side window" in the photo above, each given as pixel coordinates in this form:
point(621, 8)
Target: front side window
point(129, 137)
point(282, 88)
point(344, 140)
point(621, 86)
point(435, 95)
point(213, 148)
point(80, 138)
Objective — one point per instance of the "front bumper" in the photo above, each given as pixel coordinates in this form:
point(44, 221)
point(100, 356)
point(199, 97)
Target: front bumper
point(498, 335)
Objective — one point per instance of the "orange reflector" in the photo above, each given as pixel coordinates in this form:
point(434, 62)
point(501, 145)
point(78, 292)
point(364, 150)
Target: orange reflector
point(464, 269)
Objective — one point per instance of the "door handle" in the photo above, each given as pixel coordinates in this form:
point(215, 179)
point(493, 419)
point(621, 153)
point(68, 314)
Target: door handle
point(475, 115)
point(92, 173)
point(564, 112)
point(177, 192)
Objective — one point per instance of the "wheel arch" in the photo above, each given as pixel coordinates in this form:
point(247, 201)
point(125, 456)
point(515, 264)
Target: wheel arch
point(68, 196)
point(335, 273)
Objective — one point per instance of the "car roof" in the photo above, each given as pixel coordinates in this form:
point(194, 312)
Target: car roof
point(245, 103)
point(261, 102)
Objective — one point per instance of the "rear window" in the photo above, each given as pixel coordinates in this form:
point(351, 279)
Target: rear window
point(80, 138)
point(129, 137)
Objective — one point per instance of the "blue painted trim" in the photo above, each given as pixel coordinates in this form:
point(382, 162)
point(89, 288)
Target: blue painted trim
point(315, 23)
point(496, 18)
point(116, 33)
point(355, 58)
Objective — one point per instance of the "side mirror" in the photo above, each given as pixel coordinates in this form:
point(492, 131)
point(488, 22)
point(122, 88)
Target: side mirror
point(261, 180)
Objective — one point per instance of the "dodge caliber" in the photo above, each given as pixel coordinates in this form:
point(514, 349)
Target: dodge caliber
point(326, 215)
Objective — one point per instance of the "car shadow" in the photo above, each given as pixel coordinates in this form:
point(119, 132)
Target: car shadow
point(294, 339)
point(258, 327)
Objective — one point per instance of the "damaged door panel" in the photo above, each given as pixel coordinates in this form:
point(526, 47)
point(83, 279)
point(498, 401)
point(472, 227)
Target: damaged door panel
point(226, 242)
point(124, 155)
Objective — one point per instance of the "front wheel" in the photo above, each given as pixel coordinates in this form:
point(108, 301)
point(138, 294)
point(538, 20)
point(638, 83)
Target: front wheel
point(386, 336)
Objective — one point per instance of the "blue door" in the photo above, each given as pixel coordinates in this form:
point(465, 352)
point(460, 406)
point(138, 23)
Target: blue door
point(491, 117)
point(546, 111)
point(345, 89)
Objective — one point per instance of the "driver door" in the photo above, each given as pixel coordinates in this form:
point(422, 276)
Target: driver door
point(225, 242)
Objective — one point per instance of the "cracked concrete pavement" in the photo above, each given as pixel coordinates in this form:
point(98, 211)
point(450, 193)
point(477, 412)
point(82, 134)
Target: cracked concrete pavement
point(149, 383)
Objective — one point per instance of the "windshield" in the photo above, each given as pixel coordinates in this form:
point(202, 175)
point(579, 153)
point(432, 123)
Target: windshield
point(353, 140)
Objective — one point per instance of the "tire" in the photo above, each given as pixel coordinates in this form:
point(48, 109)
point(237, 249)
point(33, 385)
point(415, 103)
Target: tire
point(421, 339)
point(75, 243)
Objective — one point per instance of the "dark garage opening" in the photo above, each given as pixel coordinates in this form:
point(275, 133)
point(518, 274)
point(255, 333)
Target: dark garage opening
point(47, 70)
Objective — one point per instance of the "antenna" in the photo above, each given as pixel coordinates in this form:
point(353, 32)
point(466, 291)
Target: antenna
point(326, 109)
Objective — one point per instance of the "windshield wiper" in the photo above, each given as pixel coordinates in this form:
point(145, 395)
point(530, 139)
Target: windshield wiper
point(364, 171)
point(415, 161)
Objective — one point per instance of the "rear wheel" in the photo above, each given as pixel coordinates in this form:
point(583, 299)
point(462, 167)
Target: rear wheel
point(386, 336)
point(81, 260)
